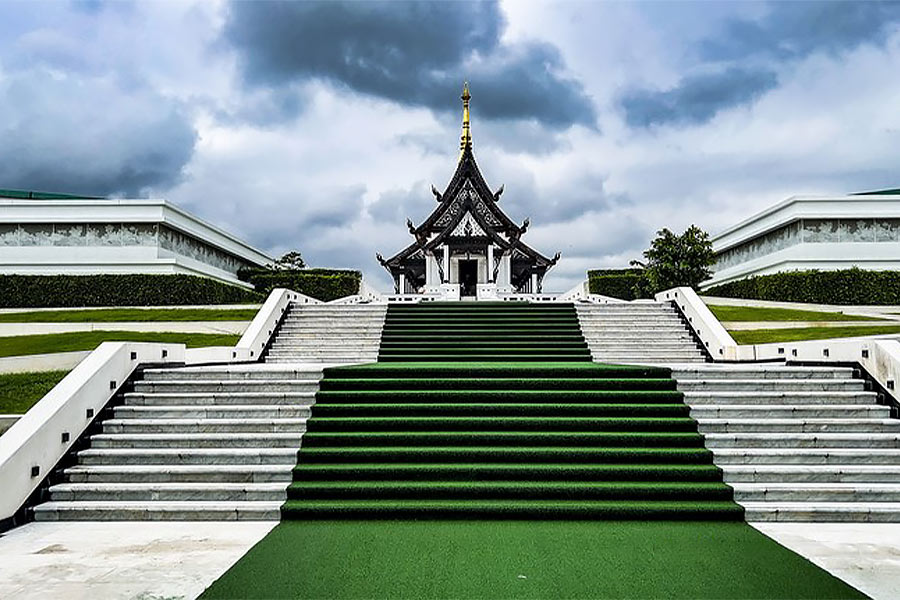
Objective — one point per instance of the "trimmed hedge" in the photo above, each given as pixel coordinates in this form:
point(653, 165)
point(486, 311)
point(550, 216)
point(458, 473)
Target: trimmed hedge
point(616, 283)
point(322, 284)
point(65, 291)
point(847, 286)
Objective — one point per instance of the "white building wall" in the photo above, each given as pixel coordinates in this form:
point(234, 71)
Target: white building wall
point(81, 237)
point(803, 233)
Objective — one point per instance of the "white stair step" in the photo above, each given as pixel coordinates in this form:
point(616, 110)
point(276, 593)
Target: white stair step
point(188, 456)
point(196, 440)
point(811, 473)
point(178, 473)
point(859, 512)
point(179, 492)
point(237, 425)
point(261, 411)
point(202, 399)
point(715, 441)
point(702, 399)
point(798, 411)
point(158, 511)
point(816, 492)
point(807, 456)
point(707, 425)
point(782, 385)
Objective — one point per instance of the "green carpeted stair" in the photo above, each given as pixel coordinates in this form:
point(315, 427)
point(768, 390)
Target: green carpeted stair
point(482, 331)
point(504, 440)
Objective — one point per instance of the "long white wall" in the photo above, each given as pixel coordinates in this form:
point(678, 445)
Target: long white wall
point(79, 237)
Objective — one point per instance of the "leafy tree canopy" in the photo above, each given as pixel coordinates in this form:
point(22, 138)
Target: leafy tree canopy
point(676, 260)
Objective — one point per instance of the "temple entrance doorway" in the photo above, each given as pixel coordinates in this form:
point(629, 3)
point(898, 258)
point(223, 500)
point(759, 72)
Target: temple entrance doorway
point(468, 277)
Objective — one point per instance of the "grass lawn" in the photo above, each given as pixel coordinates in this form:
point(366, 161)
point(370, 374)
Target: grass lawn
point(523, 559)
point(765, 336)
point(19, 391)
point(118, 315)
point(21, 345)
point(752, 313)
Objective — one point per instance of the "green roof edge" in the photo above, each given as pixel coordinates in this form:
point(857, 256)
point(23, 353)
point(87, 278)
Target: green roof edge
point(32, 195)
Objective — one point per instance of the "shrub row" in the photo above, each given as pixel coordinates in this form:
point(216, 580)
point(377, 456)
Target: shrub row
point(47, 291)
point(322, 284)
point(616, 283)
point(848, 286)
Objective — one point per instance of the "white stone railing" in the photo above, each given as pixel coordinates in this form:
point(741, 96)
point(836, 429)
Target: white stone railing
point(40, 438)
point(264, 324)
point(879, 357)
point(718, 342)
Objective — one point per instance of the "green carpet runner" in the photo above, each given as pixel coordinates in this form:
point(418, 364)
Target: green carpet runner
point(482, 331)
point(504, 440)
point(495, 410)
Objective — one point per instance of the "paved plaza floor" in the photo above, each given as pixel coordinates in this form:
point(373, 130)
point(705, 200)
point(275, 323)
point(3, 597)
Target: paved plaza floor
point(141, 561)
point(152, 561)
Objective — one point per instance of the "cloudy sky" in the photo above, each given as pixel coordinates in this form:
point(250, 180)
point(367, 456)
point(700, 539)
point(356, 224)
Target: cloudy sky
point(321, 126)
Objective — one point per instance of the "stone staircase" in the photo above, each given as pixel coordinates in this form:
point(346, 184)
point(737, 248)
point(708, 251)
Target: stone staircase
point(200, 443)
point(328, 333)
point(798, 443)
point(639, 332)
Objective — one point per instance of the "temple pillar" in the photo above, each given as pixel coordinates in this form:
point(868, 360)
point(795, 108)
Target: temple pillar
point(446, 263)
point(490, 263)
point(402, 283)
point(534, 283)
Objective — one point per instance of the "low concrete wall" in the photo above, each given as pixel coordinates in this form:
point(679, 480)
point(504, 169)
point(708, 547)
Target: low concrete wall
point(7, 421)
point(227, 327)
point(33, 363)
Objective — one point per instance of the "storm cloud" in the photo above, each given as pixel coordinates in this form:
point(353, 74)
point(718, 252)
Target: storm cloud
point(90, 137)
point(740, 64)
point(413, 53)
point(697, 98)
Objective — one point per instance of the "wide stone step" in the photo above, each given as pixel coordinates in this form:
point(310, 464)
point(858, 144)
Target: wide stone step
point(631, 348)
point(798, 411)
point(189, 456)
point(811, 473)
point(262, 411)
point(802, 440)
point(178, 473)
point(816, 492)
point(299, 358)
point(807, 456)
point(178, 492)
point(158, 511)
point(196, 399)
point(234, 425)
point(197, 440)
point(798, 425)
point(781, 385)
point(778, 398)
point(235, 373)
point(196, 386)
point(856, 512)
point(760, 373)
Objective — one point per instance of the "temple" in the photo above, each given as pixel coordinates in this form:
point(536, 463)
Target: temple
point(467, 247)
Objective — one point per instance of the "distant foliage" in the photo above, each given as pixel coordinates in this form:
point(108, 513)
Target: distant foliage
point(676, 260)
point(47, 291)
point(322, 284)
point(847, 286)
point(624, 284)
point(291, 260)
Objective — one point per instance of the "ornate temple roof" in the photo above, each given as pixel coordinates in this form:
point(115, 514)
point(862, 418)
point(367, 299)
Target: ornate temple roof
point(467, 209)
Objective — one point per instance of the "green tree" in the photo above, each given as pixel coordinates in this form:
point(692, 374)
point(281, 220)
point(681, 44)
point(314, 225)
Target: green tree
point(676, 260)
point(290, 261)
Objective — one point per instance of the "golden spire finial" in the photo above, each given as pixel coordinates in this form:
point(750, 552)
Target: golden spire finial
point(465, 141)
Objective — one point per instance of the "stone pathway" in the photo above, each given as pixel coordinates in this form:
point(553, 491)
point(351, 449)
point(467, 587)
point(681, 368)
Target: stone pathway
point(140, 561)
point(865, 555)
